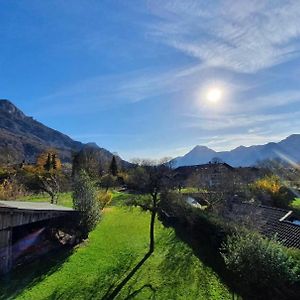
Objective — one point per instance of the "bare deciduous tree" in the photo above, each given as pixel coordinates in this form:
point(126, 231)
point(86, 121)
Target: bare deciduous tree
point(153, 178)
point(49, 183)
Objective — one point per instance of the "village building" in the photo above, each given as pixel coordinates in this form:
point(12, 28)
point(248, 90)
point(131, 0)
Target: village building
point(216, 175)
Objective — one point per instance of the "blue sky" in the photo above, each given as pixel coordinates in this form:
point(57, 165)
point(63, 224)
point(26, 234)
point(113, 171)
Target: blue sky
point(133, 76)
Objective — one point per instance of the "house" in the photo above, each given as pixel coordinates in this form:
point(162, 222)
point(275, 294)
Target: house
point(211, 174)
point(216, 174)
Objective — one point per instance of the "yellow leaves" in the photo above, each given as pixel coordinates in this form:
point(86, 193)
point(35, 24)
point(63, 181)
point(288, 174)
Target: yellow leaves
point(29, 169)
point(269, 184)
point(5, 186)
point(10, 189)
point(104, 198)
point(48, 161)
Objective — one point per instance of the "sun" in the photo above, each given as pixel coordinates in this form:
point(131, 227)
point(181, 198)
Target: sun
point(214, 95)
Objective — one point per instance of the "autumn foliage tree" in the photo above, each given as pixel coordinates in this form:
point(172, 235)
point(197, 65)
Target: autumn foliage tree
point(49, 160)
point(11, 189)
point(272, 187)
point(48, 172)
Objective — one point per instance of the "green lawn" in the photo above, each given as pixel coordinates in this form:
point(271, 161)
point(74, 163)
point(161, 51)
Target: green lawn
point(118, 243)
point(187, 190)
point(296, 203)
point(64, 199)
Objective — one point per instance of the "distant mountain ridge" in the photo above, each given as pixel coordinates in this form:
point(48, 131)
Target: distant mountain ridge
point(243, 156)
point(23, 138)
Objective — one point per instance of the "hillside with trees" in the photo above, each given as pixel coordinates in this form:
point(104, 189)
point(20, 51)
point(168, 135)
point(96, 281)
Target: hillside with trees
point(22, 139)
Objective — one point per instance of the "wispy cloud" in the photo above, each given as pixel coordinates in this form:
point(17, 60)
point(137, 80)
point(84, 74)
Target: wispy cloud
point(241, 36)
point(233, 35)
point(241, 121)
point(107, 91)
point(277, 99)
point(104, 92)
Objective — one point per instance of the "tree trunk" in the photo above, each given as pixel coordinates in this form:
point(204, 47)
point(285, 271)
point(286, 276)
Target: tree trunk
point(152, 222)
point(52, 195)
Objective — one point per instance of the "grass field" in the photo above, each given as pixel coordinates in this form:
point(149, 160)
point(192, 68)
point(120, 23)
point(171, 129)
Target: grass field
point(115, 247)
point(296, 203)
point(189, 190)
point(64, 199)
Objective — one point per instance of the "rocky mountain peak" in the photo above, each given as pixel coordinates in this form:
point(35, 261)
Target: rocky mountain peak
point(23, 138)
point(244, 156)
point(202, 149)
point(8, 108)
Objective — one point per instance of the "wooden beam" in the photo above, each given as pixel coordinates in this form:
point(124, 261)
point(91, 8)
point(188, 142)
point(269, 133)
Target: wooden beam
point(5, 251)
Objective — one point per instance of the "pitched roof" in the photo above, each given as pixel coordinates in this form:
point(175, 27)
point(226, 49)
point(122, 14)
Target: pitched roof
point(203, 166)
point(279, 223)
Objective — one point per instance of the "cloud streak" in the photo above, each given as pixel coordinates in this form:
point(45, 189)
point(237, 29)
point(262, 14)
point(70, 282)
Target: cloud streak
point(242, 36)
point(229, 121)
point(105, 92)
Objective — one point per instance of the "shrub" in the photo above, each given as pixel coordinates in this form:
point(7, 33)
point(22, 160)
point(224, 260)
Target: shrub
point(271, 187)
point(104, 198)
point(203, 223)
point(11, 189)
point(284, 197)
point(269, 183)
point(85, 201)
point(261, 267)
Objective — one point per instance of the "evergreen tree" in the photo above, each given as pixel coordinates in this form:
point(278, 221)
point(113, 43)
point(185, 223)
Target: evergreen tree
point(47, 165)
point(113, 168)
point(54, 162)
point(49, 160)
point(85, 201)
point(48, 173)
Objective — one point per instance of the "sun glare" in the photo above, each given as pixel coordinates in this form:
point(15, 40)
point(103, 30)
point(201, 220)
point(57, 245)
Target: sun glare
point(214, 95)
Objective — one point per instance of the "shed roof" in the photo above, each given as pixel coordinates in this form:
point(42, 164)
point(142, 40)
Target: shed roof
point(41, 206)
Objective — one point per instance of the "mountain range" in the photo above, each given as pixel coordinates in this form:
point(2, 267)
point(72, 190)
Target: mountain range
point(22, 138)
point(242, 156)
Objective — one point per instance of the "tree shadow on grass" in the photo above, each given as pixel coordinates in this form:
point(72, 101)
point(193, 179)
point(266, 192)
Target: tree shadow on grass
point(109, 282)
point(206, 252)
point(180, 268)
point(26, 276)
point(113, 291)
point(133, 294)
